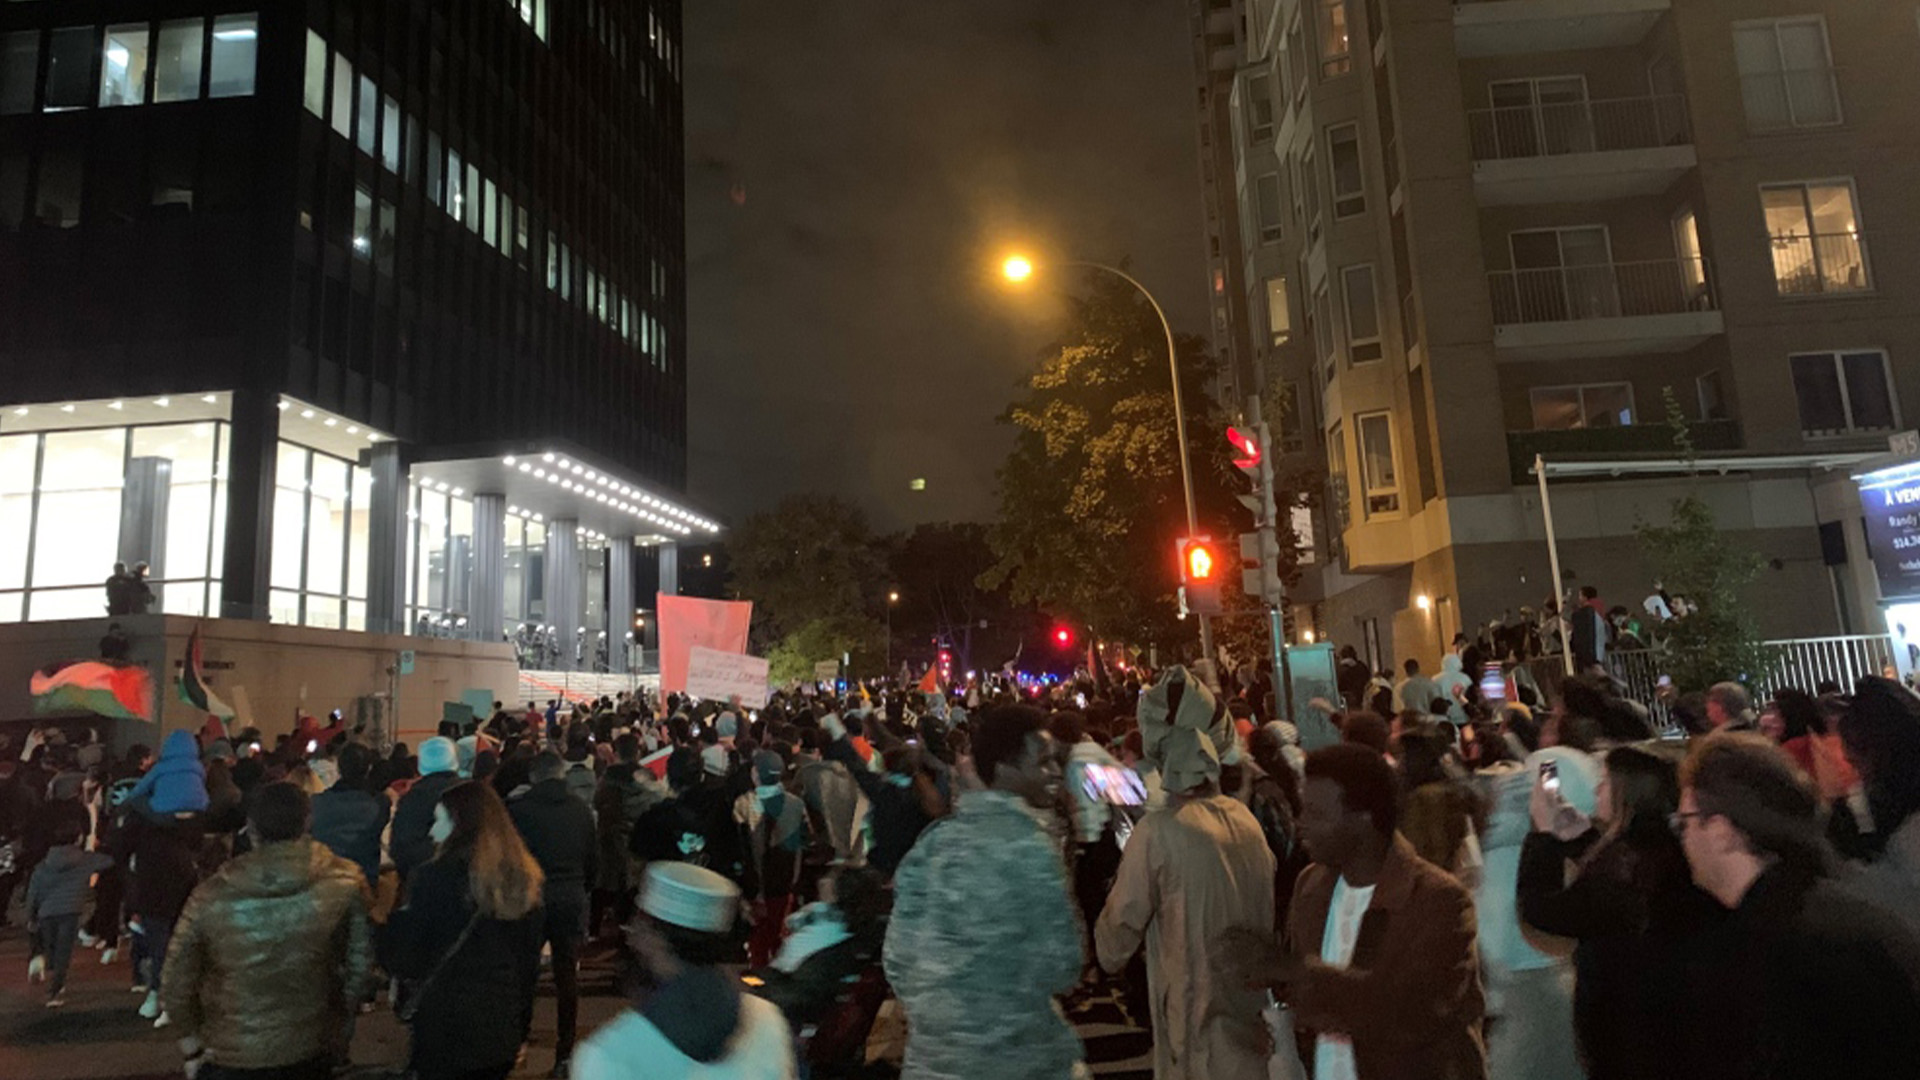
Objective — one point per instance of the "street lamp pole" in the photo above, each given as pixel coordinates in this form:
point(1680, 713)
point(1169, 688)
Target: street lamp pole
point(1179, 420)
point(893, 597)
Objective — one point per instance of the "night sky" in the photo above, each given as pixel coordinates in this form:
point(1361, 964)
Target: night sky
point(855, 169)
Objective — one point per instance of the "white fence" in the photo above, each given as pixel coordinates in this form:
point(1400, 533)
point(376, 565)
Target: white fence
point(543, 686)
point(1800, 663)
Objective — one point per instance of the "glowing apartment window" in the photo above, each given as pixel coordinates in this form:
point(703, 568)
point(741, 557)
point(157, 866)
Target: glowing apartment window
point(123, 65)
point(235, 55)
point(1813, 229)
point(1379, 472)
point(314, 89)
point(1335, 51)
point(1279, 311)
point(342, 118)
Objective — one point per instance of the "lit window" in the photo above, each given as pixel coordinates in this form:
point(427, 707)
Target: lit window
point(456, 187)
point(1279, 311)
point(1597, 405)
point(553, 262)
point(1335, 57)
point(70, 69)
point(1814, 231)
point(1843, 393)
point(1381, 476)
point(362, 223)
point(230, 69)
point(489, 213)
point(390, 134)
point(1363, 314)
point(366, 122)
point(1343, 154)
point(19, 68)
point(177, 61)
point(1266, 191)
point(476, 197)
point(1786, 73)
point(123, 65)
point(342, 118)
point(314, 93)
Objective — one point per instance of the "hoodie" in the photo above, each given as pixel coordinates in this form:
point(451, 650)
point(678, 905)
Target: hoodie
point(177, 783)
point(1453, 672)
point(698, 1025)
point(62, 881)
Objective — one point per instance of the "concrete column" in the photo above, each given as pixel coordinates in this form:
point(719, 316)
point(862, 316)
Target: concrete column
point(563, 588)
point(669, 569)
point(387, 531)
point(252, 451)
point(619, 601)
point(486, 591)
point(143, 514)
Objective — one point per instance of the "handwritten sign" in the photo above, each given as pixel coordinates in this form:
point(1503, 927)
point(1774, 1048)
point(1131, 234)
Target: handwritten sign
point(718, 676)
point(826, 671)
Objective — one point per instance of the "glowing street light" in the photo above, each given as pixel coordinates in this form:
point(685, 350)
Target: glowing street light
point(1017, 268)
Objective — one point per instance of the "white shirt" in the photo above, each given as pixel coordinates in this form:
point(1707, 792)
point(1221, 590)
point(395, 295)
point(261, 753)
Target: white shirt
point(630, 1046)
point(1333, 1054)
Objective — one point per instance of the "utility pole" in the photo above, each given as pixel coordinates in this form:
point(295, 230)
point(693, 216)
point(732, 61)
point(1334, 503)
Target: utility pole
point(1260, 549)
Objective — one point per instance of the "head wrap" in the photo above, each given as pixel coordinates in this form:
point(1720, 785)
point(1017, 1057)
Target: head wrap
point(1185, 730)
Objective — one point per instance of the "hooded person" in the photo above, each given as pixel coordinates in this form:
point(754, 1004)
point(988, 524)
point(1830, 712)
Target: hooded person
point(1193, 871)
point(177, 783)
point(1453, 673)
point(1881, 733)
point(775, 822)
point(411, 842)
point(688, 1017)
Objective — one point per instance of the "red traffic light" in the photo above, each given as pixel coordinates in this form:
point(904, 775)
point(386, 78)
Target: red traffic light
point(1248, 446)
point(1063, 636)
point(1200, 561)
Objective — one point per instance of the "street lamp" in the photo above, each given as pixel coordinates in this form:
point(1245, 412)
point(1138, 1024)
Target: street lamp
point(1019, 268)
point(893, 597)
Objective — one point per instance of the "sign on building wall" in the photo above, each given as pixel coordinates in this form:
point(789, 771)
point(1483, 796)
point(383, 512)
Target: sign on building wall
point(1890, 500)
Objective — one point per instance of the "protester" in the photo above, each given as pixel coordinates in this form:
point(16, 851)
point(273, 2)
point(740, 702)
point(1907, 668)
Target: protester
point(833, 799)
point(56, 895)
point(984, 932)
point(1096, 856)
point(1628, 903)
point(775, 823)
point(1378, 958)
point(559, 831)
point(410, 842)
point(1806, 978)
point(177, 783)
point(627, 792)
point(1881, 734)
point(349, 818)
point(904, 801)
point(1440, 815)
point(468, 940)
point(270, 953)
point(162, 853)
point(1192, 872)
point(1416, 692)
point(687, 1019)
point(1730, 707)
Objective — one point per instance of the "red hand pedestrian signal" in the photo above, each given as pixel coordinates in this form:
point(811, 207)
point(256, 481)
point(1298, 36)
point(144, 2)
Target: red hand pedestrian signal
point(1199, 563)
point(1200, 575)
point(1247, 445)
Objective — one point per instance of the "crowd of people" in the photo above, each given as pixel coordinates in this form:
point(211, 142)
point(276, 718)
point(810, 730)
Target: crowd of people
point(1418, 883)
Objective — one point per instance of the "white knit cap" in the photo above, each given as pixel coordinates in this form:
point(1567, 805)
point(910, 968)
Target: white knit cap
point(683, 894)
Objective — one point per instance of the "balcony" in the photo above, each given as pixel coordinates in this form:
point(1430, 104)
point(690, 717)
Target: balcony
point(1824, 264)
point(1633, 440)
point(1603, 310)
point(1517, 27)
point(1580, 151)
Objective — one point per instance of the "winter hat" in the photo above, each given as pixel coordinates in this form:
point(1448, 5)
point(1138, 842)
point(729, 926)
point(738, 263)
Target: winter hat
point(727, 726)
point(464, 752)
point(714, 758)
point(768, 767)
point(693, 897)
point(217, 750)
point(438, 755)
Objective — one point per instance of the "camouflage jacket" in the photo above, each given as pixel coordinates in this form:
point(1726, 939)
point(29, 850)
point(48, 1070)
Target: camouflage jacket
point(984, 934)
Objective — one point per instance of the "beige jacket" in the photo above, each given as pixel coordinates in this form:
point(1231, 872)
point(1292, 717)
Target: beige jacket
point(1191, 872)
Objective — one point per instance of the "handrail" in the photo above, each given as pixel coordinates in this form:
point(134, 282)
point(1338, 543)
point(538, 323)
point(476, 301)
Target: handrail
point(1553, 129)
point(1601, 291)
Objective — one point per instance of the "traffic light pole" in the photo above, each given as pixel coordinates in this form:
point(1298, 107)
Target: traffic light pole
point(1179, 427)
point(1269, 529)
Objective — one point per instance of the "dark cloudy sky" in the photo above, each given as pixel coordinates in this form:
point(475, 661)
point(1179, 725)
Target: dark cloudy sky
point(854, 169)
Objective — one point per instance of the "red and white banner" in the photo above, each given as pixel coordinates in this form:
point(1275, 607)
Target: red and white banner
point(720, 625)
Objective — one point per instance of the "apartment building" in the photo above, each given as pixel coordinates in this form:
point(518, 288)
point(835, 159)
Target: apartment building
point(1468, 232)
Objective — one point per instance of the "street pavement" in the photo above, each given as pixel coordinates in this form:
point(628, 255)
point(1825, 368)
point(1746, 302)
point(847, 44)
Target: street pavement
point(98, 1035)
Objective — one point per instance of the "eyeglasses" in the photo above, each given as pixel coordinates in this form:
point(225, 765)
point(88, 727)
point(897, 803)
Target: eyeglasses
point(1677, 821)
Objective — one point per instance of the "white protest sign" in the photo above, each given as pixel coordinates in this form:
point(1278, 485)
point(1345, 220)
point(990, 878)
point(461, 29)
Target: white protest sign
point(719, 676)
point(826, 671)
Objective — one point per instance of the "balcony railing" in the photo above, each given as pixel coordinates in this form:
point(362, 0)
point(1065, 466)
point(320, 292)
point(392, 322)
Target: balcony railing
point(1579, 127)
point(1601, 291)
point(1630, 440)
point(1821, 263)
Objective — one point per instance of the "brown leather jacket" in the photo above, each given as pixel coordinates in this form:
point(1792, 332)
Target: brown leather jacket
point(1410, 1000)
point(269, 954)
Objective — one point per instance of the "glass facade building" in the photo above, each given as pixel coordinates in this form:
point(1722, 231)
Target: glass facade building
point(275, 279)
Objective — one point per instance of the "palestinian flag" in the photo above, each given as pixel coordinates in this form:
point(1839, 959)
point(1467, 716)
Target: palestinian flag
point(930, 682)
point(111, 688)
point(656, 762)
point(193, 683)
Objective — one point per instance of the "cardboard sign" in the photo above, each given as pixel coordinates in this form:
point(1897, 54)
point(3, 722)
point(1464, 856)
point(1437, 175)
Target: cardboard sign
point(719, 676)
point(826, 671)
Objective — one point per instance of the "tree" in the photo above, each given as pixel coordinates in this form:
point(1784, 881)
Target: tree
point(1090, 498)
point(1718, 640)
point(811, 558)
point(792, 658)
point(936, 570)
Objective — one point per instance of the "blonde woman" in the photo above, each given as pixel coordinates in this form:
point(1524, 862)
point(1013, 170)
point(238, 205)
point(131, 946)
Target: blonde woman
point(467, 942)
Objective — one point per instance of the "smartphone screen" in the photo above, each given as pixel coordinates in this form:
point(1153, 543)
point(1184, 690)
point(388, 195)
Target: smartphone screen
point(1550, 775)
point(1114, 785)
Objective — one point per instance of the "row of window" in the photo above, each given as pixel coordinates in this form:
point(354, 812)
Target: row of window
point(128, 64)
point(375, 123)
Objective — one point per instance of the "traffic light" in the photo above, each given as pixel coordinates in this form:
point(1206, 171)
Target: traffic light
point(1063, 637)
point(1247, 446)
point(1260, 566)
point(1200, 569)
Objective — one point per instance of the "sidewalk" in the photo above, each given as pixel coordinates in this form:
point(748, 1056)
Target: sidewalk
point(98, 1035)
